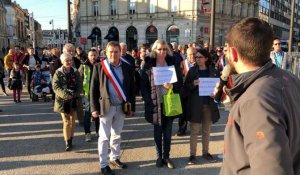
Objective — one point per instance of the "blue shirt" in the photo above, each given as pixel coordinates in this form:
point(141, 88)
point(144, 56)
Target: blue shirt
point(115, 99)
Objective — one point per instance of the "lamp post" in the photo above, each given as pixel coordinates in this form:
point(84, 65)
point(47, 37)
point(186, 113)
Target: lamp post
point(291, 26)
point(69, 22)
point(212, 23)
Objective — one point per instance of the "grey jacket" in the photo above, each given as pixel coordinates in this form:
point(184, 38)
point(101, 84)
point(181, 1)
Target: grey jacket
point(262, 132)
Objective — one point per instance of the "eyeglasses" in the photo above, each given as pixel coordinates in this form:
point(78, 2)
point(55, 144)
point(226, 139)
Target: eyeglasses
point(162, 49)
point(277, 44)
point(198, 57)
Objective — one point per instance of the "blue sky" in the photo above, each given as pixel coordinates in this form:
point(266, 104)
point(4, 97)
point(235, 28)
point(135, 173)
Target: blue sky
point(46, 10)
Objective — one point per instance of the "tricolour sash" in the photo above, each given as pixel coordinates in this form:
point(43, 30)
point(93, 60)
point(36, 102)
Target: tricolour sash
point(124, 60)
point(114, 79)
point(186, 66)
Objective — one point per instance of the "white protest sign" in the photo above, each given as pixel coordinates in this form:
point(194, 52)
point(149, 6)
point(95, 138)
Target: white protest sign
point(207, 86)
point(164, 75)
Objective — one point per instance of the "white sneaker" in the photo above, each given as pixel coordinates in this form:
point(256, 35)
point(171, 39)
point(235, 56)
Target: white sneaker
point(88, 137)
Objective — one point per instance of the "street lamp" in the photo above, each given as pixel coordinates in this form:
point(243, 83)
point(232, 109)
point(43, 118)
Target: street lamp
point(212, 23)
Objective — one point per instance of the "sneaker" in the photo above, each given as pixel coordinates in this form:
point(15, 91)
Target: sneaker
point(19, 101)
point(88, 137)
point(192, 160)
point(15, 101)
point(5, 94)
point(209, 157)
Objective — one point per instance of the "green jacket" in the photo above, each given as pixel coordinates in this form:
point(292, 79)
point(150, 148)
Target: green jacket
point(63, 97)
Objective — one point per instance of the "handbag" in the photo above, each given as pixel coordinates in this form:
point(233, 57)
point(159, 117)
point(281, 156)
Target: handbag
point(9, 85)
point(171, 104)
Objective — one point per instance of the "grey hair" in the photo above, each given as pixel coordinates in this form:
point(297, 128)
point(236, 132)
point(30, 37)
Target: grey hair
point(67, 46)
point(162, 42)
point(65, 56)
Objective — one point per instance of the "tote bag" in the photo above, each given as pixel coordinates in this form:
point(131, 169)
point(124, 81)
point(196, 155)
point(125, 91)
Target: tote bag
point(171, 104)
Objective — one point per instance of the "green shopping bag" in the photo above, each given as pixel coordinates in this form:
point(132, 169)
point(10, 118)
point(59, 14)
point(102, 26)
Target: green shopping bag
point(171, 104)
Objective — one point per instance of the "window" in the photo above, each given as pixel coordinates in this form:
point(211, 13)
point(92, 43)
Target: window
point(132, 7)
point(174, 5)
point(113, 7)
point(153, 4)
point(95, 8)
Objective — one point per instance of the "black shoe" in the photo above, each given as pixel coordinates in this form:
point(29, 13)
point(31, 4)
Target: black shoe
point(169, 163)
point(159, 163)
point(68, 146)
point(15, 101)
point(192, 160)
point(180, 133)
point(0, 110)
point(19, 101)
point(118, 163)
point(209, 157)
point(107, 171)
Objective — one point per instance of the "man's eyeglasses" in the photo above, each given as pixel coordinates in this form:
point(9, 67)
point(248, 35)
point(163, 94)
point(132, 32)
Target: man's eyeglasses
point(277, 44)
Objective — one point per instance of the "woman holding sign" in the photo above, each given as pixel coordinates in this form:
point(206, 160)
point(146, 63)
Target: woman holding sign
point(153, 92)
point(202, 110)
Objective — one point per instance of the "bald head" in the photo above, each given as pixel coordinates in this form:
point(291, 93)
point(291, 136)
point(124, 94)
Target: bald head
point(190, 53)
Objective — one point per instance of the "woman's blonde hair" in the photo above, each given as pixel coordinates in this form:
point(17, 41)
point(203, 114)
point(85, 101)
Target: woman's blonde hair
point(65, 56)
point(161, 42)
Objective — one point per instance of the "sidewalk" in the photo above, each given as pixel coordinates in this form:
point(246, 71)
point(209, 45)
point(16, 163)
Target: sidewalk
point(31, 142)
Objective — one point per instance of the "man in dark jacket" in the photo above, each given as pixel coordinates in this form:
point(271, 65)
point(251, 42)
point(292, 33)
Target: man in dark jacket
point(112, 88)
point(125, 56)
point(262, 132)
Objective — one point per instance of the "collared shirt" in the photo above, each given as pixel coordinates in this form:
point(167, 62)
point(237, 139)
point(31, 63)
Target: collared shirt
point(115, 99)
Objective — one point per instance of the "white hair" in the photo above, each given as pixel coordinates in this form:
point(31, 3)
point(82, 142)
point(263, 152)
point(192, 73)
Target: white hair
point(67, 46)
point(65, 56)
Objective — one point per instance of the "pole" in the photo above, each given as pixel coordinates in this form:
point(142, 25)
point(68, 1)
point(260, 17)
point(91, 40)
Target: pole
point(291, 25)
point(53, 36)
point(33, 34)
point(212, 23)
point(69, 22)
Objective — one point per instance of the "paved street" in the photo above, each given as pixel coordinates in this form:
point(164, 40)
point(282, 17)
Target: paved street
point(31, 142)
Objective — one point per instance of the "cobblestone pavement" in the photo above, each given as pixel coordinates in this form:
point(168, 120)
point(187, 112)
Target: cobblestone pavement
point(31, 142)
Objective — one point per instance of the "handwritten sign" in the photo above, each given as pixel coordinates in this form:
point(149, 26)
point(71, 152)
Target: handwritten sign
point(164, 75)
point(207, 86)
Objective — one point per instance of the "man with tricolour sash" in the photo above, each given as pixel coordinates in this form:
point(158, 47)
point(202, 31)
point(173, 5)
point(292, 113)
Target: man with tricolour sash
point(112, 92)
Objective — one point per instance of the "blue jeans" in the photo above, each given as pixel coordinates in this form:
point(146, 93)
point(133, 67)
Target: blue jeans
point(162, 137)
point(87, 122)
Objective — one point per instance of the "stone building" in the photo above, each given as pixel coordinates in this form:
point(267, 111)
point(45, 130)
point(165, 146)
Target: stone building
point(3, 26)
point(95, 22)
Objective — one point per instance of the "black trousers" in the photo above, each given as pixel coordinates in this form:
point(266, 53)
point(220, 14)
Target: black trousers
point(182, 122)
point(28, 80)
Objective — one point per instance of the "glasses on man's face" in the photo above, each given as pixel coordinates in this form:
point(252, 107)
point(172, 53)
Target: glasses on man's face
point(277, 44)
point(162, 49)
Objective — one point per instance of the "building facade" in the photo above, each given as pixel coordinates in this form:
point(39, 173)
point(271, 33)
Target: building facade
point(3, 26)
point(143, 21)
point(278, 14)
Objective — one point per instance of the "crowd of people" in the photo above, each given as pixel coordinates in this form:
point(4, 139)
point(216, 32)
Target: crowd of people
point(262, 133)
